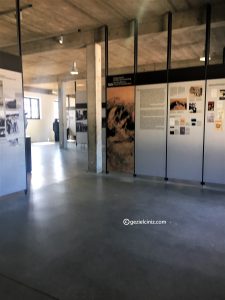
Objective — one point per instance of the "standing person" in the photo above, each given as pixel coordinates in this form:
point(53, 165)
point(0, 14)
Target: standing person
point(56, 129)
point(8, 125)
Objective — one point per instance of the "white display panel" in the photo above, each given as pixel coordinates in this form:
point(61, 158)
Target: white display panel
point(12, 142)
point(150, 130)
point(185, 130)
point(214, 162)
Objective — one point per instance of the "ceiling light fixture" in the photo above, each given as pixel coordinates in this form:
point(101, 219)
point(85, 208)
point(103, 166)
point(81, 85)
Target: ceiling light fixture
point(61, 39)
point(202, 58)
point(74, 70)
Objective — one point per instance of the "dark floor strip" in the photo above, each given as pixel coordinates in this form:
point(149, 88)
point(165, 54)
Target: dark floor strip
point(28, 287)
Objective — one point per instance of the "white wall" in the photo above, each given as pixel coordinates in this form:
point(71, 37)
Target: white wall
point(41, 130)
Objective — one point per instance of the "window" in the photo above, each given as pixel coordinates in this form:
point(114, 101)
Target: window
point(32, 108)
point(56, 109)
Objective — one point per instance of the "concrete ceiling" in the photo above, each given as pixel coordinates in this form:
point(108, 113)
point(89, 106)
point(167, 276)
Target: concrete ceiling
point(45, 61)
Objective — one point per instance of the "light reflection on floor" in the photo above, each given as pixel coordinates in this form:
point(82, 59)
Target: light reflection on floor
point(51, 164)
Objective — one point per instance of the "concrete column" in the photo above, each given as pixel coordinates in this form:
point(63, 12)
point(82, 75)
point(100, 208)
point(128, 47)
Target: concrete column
point(62, 116)
point(94, 103)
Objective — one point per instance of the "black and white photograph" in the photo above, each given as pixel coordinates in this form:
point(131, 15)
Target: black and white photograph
point(13, 142)
point(12, 123)
point(2, 120)
point(192, 108)
point(10, 104)
point(222, 95)
point(81, 114)
point(195, 91)
point(2, 132)
point(211, 106)
point(81, 127)
point(182, 130)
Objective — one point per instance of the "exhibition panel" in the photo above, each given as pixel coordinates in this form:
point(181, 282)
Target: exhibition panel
point(214, 160)
point(120, 129)
point(12, 141)
point(185, 130)
point(150, 130)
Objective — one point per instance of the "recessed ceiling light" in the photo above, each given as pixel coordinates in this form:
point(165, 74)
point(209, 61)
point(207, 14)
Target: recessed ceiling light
point(74, 70)
point(61, 39)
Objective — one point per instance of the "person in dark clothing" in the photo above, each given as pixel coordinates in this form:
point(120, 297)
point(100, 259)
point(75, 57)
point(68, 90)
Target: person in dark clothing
point(56, 130)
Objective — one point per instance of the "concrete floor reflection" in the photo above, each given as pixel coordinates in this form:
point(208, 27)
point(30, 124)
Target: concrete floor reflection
point(50, 164)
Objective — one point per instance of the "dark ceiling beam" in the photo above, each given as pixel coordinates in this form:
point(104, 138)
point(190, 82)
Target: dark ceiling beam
point(13, 10)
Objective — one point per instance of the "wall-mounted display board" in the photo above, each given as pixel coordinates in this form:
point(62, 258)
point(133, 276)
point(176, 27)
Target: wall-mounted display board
point(150, 130)
point(12, 141)
point(214, 167)
point(81, 123)
point(120, 129)
point(185, 130)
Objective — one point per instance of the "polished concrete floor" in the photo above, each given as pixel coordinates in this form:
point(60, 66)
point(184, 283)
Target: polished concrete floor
point(66, 240)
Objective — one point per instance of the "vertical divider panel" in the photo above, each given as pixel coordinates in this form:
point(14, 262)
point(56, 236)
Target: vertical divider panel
point(150, 128)
point(185, 130)
point(214, 160)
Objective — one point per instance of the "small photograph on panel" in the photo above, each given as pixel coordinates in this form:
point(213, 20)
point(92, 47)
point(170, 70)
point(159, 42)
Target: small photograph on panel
point(220, 114)
point(2, 121)
point(218, 125)
point(12, 123)
point(2, 132)
point(81, 114)
point(214, 93)
point(182, 121)
point(81, 127)
point(195, 91)
point(178, 104)
point(177, 122)
point(211, 105)
point(222, 95)
point(182, 130)
point(13, 142)
point(187, 130)
point(192, 107)
point(10, 103)
point(172, 122)
point(210, 118)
